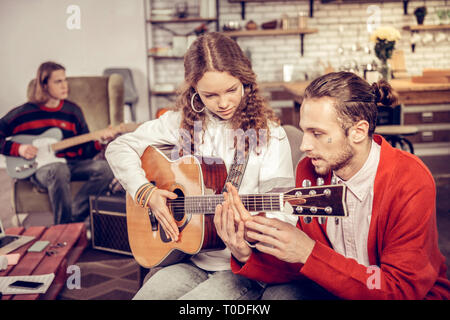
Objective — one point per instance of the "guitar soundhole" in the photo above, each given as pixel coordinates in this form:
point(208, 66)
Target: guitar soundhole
point(178, 205)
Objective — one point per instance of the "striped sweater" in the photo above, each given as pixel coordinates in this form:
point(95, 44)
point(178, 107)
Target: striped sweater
point(33, 119)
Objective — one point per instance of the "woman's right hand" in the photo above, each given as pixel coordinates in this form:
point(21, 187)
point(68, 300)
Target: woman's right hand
point(158, 205)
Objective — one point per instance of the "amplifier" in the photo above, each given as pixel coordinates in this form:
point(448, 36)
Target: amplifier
point(109, 224)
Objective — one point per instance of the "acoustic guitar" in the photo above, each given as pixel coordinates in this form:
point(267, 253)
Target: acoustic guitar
point(198, 182)
point(48, 143)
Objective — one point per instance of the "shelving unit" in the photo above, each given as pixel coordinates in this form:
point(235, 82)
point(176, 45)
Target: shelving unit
point(162, 56)
point(169, 24)
point(183, 20)
point(268, 32)
point(405, 2)
point(243, 2)
point(311, 4)
point(422, 27)
point(436, 27)
point(273, 32)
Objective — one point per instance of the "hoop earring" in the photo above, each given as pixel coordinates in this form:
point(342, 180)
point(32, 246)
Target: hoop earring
point(192, 104)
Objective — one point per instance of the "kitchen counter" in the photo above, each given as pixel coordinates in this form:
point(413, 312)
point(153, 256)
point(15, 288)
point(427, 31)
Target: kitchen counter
point(404, 87)
point(409, 92)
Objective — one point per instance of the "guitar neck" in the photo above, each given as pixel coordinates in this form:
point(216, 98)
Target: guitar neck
point(70, 142)
point(91, 136)
point(252, 202)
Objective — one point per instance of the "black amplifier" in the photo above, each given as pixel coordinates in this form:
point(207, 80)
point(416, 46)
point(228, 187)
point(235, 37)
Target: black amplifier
point(109, 224)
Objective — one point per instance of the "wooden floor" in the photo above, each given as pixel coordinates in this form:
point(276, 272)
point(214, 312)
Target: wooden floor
point(438, 165)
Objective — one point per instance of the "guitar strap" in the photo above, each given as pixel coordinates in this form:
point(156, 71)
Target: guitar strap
point(237, 170)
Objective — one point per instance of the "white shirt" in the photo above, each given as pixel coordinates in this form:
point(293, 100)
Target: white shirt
point(349, 236)
point(271, 168)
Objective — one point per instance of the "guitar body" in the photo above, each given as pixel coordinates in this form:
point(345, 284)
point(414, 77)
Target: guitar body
point(187, 176)
point(21, 168)
point(48, 143)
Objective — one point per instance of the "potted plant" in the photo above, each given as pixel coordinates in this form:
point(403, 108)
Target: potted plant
point(385, 39)
point(420, 14)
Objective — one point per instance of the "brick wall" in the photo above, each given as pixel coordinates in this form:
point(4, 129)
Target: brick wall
point(339, 25)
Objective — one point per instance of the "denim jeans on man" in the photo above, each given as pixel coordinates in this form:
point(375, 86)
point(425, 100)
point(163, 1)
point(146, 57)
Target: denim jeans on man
point(56, 178)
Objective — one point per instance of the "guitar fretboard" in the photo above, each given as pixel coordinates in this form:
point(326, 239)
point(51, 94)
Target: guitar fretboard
point(70, 142)
point(207, 204)
point(96, 135)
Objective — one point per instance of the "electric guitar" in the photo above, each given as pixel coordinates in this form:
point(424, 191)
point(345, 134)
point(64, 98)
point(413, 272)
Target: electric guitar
point(198, 185)
point(48, 143)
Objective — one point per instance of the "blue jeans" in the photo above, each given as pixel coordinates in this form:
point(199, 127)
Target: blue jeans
point(297, 290)
point(185, 281)
point(56, 177)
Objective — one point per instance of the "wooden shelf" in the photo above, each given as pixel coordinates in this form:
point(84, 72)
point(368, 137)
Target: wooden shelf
point(268, 32)
point(163, 93)
point(184, 20)
point(421, 27)
point(242, 2)
point(273, 32)
point(427, 27)
point(161, 56)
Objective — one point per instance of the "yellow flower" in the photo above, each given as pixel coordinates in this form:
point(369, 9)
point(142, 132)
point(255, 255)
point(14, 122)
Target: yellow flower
point(385, 33)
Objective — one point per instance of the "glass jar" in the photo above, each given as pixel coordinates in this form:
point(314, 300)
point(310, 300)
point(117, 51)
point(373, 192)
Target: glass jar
point(302, 20)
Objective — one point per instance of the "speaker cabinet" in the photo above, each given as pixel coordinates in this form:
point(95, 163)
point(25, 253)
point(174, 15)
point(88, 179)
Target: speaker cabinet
point(109, 224)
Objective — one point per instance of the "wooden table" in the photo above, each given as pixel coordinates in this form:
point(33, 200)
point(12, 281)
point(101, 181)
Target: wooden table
point(37, 263)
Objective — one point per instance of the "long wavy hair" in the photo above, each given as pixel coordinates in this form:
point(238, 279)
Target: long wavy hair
point(39, 93)
point(217, 52)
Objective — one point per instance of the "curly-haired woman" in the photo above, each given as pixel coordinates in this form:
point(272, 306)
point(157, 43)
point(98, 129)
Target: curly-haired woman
point(218, 104)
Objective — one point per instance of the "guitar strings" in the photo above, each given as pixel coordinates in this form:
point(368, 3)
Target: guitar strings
point(262, 203)
point(218, 199)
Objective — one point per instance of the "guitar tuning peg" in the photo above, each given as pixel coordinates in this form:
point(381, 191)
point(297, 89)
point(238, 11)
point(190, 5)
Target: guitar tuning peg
point(334, 180)
point(320, 181)
point(322, 220)
point(306, 183)
point(307, 220)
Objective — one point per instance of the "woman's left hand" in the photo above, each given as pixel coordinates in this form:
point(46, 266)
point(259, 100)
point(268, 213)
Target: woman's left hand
point(230, 229)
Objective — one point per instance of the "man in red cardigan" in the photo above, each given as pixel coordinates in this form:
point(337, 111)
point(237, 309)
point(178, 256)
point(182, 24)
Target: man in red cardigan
point(387, 248)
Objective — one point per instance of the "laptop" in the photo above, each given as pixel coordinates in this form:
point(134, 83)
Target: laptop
point(10, 243)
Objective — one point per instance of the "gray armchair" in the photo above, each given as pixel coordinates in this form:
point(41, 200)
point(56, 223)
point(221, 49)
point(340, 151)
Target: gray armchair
point(295, 136)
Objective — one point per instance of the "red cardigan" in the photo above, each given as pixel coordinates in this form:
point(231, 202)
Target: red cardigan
point(402, 240)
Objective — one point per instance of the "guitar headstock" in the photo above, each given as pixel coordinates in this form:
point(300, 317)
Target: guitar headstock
point(318, 201)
